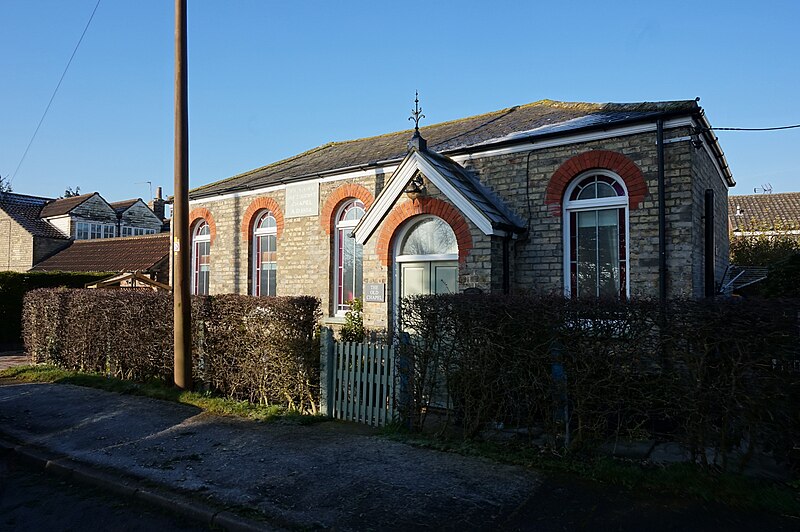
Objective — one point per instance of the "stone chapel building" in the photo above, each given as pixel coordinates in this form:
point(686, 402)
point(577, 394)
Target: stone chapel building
point(585, 200)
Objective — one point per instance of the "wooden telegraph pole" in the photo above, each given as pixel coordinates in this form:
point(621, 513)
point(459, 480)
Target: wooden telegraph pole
point(181, 244)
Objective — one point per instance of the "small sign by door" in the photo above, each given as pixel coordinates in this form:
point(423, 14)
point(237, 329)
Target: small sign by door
point(375, 292)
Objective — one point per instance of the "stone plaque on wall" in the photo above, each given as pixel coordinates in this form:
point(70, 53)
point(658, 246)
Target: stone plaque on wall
point(375, 292)
point(302, 199)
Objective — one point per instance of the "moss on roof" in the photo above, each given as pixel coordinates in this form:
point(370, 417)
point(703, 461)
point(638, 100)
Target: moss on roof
point(536, 118)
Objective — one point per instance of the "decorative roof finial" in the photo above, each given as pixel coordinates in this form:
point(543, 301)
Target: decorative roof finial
point(417, 142)
point(416, 113)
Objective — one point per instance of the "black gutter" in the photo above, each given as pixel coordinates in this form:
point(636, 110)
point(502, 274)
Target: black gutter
point(662, 216)
point(656, 115)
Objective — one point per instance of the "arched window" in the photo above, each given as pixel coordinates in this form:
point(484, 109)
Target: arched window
point(595, 236)
point(201, 255)
point(265, 255)
point(348, 255)
point(430, 236)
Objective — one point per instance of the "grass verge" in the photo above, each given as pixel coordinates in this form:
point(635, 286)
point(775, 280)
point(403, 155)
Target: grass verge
point(682, 480)
point(206, 401)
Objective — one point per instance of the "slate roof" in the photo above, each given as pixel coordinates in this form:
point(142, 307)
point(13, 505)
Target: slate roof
point(126, 254)
point(515, 124)
point(764, 212)
point(63, 205)
point(122, 206)
point(485, 200)
point(25, 210)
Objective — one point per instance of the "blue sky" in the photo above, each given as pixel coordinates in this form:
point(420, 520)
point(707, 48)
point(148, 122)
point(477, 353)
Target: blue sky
point(268, 80)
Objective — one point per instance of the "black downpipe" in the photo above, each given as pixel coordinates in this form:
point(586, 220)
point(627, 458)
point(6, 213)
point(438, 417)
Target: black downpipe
point(710, 245)
point(506, 265)
point(662, 216)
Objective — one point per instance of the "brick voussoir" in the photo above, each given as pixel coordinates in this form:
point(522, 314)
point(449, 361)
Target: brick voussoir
point(199, 213)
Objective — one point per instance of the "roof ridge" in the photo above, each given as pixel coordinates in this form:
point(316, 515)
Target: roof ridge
point(762, 195)
point(270, 165)
point(447, 136)
point(446, 122)
point(126, 200)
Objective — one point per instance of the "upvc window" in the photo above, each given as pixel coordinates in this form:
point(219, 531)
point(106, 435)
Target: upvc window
point(95, 231)
point(595, 236)
point(92, 230)
point(348, 256)
point(265, 255)
point(81, 231)
point(201, 258)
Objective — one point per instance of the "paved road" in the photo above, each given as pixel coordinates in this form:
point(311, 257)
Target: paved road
point(32, 500)
point(327, 475)
point(11, 359)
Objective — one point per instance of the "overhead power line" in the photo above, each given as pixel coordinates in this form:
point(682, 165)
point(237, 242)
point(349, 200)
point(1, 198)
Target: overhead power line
point(52, 97)
point(755, 128)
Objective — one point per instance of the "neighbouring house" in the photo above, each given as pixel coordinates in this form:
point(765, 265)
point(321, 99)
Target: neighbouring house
point(765, 214)
point(33, 228)
point(146, 255)
point(89, 216)
point(25, 238)
point(757, 216)
point(549, 196)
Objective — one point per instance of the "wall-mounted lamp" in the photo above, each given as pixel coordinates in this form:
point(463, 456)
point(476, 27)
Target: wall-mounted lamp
point(416, 187)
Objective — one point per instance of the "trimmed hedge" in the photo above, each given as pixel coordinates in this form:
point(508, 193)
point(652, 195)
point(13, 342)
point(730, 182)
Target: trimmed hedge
point(260, 349)
point(720, 375)
point(14, 286)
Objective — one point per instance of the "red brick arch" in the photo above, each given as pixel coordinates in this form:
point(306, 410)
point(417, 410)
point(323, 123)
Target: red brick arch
point(255, 208)
point(337, 197)
point(402, 212)
point(596, 159)
point(201, 213)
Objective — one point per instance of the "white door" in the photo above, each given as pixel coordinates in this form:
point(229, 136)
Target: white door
point(433, 277)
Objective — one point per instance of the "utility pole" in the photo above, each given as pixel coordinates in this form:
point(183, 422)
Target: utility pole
point(181, 245)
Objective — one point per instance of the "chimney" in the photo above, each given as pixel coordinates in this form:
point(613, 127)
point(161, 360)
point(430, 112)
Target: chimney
point(157, 204)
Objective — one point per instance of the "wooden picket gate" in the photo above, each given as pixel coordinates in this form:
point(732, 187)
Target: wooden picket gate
point(358, 381)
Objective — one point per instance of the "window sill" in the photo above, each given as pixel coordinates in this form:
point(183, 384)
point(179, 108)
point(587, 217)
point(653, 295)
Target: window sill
point(334, 320)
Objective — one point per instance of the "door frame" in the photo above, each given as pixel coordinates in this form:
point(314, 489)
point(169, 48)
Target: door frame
point(399, 259)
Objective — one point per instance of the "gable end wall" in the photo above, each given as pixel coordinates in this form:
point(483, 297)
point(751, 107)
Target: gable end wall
point(16, 245)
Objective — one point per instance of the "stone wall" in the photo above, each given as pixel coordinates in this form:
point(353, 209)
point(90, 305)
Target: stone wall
point(521, 180)
point(45, 247)
point(16, 246)
point(705, 176)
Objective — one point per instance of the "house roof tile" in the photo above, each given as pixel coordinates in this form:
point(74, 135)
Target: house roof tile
point(764, 212)
point(545, 117)
point(124, 205)
point(25, 210)
point(63, 205)
point(126, 254)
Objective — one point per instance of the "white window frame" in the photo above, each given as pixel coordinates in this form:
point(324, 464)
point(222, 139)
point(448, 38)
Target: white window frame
point(341, 307)
point(255, 263)
point(82, 227)
point(570, 206)
point(198, 239)
point(93, 230)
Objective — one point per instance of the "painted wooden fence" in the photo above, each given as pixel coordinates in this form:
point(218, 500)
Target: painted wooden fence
point(357, 381)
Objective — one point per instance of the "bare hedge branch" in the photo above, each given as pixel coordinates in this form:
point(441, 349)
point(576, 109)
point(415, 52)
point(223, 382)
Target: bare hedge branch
point(720, 377)
point(260, 349)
